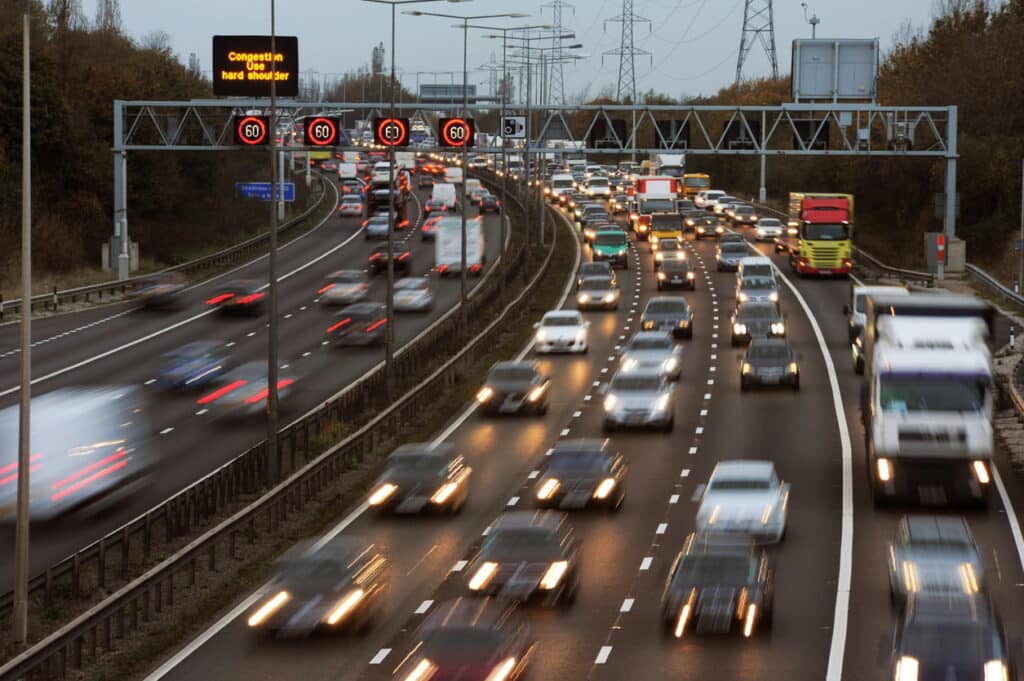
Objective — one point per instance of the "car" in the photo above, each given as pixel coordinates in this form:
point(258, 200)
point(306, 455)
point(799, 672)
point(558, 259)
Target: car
point(413, 294)
point(706, 198)
point(684, 205)
point(344, 287)
point(561, 331)
point(757, 289)
point(598, 186)
point(611, 245)
point(934, 555)
point(717, 206)
point(743, 497)
point(473, 196)
point(597, 292)
point(667, 249)
point(618, 204)
point(351, 205)
point(375, 227)
point(193, 365)
point(718, 585)
point(943, 638)
point(595, 269)
point(242, 296)
point(514, 388)
point(706, 226)
point(672, 314)
point(756, 320)
point(526, 556)
point(159, 291)
point(428, 231)
point(424, 180)
point(677, 273)
point(422, 477)
point(769, 361)
point(243, 391)
point(352, 186)
point(638, 398)
point(744, 215)
point(359, 324)
point(378, 260)
point(489, 203)
point(581, 473)
point(435, 206)
point(340, 586)
point(653, 350)
point(732, 238)
point(729, 253)
point(769, 229)
point(730, 206)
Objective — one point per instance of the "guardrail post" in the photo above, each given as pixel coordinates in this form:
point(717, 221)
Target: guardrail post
point(101, 564)
point(76, 574)
point(55, 299)
point(124, 552)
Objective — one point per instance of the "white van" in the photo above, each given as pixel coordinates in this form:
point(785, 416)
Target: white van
point(453, 175)
point(755, 266)
point(706, 198)
point(446, 192)
point(857, 307)
point(448, 246)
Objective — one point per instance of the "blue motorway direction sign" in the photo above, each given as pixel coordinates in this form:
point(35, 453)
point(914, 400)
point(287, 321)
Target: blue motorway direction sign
point(261, 190)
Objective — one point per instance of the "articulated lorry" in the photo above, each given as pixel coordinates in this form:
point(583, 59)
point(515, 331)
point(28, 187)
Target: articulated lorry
point(823, 243)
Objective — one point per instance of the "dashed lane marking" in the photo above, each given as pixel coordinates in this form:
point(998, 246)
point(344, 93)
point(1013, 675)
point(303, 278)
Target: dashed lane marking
point(627, 605)
point(662, 528)
point(460, 566)
point(645, 564)
point(693, 450)
point(379, 657)
point(424, 606)
point(674, 499)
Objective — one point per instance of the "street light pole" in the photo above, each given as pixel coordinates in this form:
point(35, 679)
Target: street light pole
point(273, 471)
point(463, 313)
point(389, 294)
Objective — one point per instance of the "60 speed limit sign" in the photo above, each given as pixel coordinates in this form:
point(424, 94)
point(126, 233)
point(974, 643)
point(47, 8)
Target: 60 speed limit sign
point(456, 132)
point(321, 131)
point(391, 132)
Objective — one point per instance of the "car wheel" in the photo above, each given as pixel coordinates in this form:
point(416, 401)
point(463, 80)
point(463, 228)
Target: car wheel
point(693, 286)
point(689, 333)
point(659, 285)
point(607, 427)
point(744, 385)
point(796, 384)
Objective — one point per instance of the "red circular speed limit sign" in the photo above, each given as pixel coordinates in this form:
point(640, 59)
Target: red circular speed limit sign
point(456, 132)
point(391, 132)
point(252, 130)
point(321, 131)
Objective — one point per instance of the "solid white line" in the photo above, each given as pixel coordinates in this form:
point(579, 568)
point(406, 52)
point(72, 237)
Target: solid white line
point(1011, 515)
point(166, 430)
point(602, 655)
point(379, 657)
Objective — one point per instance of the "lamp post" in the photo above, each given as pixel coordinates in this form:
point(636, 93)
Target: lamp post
point(389, 296)
point(464, 25)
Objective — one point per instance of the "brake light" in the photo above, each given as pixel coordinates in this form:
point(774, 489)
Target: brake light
point(14, 466)
point(324, 289)
point(88, 469)
point(376, 325)
point(474, 268)
point(403, 224)
point(221, 392)
point(374, 256)
point(92, 478)
point(403, 256)
point(220, 299)
point(335, 327)
point(365, 222)
point(262, 395)
point(251, 298)
point(442, 268)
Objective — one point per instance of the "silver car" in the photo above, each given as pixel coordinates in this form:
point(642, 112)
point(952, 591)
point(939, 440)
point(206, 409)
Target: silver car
point(768, 229)
point(656, 350)
point(757, 290)
point(934, 555)
point(344, 287)
point(729, 254)
point(413, 294)
point(597, 292)
point(639, 399)
point(743, 497)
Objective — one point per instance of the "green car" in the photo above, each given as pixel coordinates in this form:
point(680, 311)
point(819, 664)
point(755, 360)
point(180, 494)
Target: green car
point(611, 245)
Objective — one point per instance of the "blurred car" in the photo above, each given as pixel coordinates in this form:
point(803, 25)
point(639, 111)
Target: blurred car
point(744, 215)
point(376, 227)
point(743, 497)
point(514, 388)
point(352, 186)
point(351, 205)
point(470, 639)
point(421, 477)
point(757, 320)
point(719, 205)
point(944, 638)
point(729, 253)
point(707, 226)
point(729, 207)
point(489, 203)
point(757, 289)
point(769, 229)
point(243, 392)
point(934, 555)
point(857, 351)
point(359, 324)
point(595, 269)
point(769, 361)
point(618, 204)
point(732, 237)
point(561, 331)
point(474, 196)
point(612, 245)
point(640, 398)
point(244, 296)
point(338, 587)
point(527, 555)
point(716, 586)
point(413, 294)
point(424, 180)
point(581, 473)
point(669, 314)
point(428, 230)
point(435, 206)
point(667, 249)
point(653, 350)
point(344, 287)
point(378, 260)
point(192, 366)
point(159, 291)
point(597, 292)
point(677, 274)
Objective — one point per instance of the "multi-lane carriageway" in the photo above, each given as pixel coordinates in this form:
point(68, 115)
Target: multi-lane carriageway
point(118, 344)
point(832, 618)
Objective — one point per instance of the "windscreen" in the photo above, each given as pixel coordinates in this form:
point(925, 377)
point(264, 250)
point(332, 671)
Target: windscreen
point(629, 382)
point(733, 248)
point(943, 644)
point(756, 283)
point(741, 484)
point(561, 320)
point(751, 312)
point(412, 285)
point(598, 182)
point(667, 307)
point(917, 393)
point(416, 462)
point(521, 544)
point(774, 352)
point(697, 182)
point(651, 344)
point(671, 171)
point(770, 222)
point(562, 184)
point(578, 462)
point(512, 374)
point(593, 268)
point(351, 198)
point(665, 222)
point(696, 570)
point(657, 206)
point(596, 284)
point(347, 278)
point(611, 239)
point(759, 270)
point(826, 232)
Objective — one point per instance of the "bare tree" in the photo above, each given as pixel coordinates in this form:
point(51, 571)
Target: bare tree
point(157, 41)
point(66, 15)
point(108, 16)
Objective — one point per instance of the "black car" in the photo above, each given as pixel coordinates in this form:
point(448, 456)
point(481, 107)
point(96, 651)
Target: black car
point(677, 274)
point(595, 269)
point(744, 215)
point(244, 296)
point(435, 206)
point(470, 639)
point(359, 324)
point(527, 555)
point(514, 388)
point(754, 320)
point(378, 260)
point(706, 226)
point(717, 586)
point(668, 314)
point(769, 361)
point(668, 249)
point(422, 477)
point(951, 637)
point(352, 186)
point(581, 473)
point(338, 587)
point(489, 203)
point(685, 205)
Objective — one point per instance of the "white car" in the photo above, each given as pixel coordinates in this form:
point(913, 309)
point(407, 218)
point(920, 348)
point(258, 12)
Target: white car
point(561, 331)
point(768, 229)
point(413, 294)
point(707, 197)
point(344, 287)
point(351, 206)
point(743, 497)
point(719, 205)
point(653, 350)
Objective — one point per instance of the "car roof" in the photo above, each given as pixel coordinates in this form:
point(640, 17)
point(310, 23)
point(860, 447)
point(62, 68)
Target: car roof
point(573, 314)
point(666, 299)
point(937, 529)
point(590, 444)
point(756, 305)
point(515, 365)
point(527, 520)
point(756, 260)
point(743, 469)
point(442, 449)
point(640, 372)
point(468, 612)
point(768, 343)
point(648, 335)
point(955, 608)
point(362, 308)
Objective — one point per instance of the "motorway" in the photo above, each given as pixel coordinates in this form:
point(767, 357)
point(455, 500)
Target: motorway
point(118, 344)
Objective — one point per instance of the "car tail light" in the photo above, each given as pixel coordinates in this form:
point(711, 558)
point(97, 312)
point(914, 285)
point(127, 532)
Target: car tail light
point(442, 268)
point(324, 289)
point(221, 392)
point(334, 327)
point(374, 256)
point(251, 298)
point(82, 481)
point(376, 325)
point(262, 395)
point(216, 300)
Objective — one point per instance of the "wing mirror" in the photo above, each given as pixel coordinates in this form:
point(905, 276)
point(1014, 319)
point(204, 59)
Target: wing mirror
point(698, 493)
point(846, 310)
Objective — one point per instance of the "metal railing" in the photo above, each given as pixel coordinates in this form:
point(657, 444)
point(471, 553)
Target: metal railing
point(154, 590)
point(976, 274)
point(225, 256)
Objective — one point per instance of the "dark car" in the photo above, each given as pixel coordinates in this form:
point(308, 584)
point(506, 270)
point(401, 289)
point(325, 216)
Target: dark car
point(192, 366)
point(942, 638)
point(470, 639)
point(239, 297)
point(435, 206)
point(717, 586)
point(422, 477)
point(428, 230)
point(378, 259)
point(769, 361)
point(729, 253)
point(514, 388)
point(668, 249)
point(706, 226)
point(934, 555)
point(338, 587)
point(677, 274)
point(754, 320)
point(159, 291)
point(685, 205)
point(424, 181)
point(581, 473)
point(527, 555)
point(489, 203)
point(359, 324)
point(668, 314)
point(744, 215)
point(243, 392)
point(595, 269)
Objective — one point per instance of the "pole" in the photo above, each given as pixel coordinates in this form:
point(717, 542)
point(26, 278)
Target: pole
point(540, 194)
point(273, 466)
point(763, 193)
point(504, 153)
point(389, 294)
point(526, 147)
point(25, 420)
point(463, 318)
point(949, 223)
point(1020, 244)
point(281, 177)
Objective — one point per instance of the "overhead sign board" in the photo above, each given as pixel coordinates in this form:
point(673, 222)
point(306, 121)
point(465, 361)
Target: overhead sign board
point(835, 70)
point(261, 190)
point(244, 65)
point(513, 127)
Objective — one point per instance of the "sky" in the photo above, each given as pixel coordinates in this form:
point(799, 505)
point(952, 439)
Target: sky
point(693, 44)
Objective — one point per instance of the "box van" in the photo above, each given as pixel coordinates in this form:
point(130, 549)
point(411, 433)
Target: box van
point(453, 175)
point(445, 192)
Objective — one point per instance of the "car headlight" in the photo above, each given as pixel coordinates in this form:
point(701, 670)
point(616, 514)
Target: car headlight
point(659, 256)
point(581, 336)
point(793, 368)
point(661, 276)
point(907, 668)
point(269, 608)
point(719, 229)
point(760, 232)
point(778, 328)
point(345, 606)
point(700, 230)
point(483, 576)
point(743, 297)
point(747, 368)
point(690, 275)
point(542, 335)
point(548, 489)
point(382, 494)
point(554, 574)
point(583, 298)
point(604, 488)
point(995, 670)
point(486, 393)
point(670, 364)
point(753, 218)
point(683, 323)
point(791, 231)
point(773, 296)
point(609, 402)
point(662, 403)
point(739, 329)
point(689, 223)
point(443, 492)
point(609, 298)
point(648, 324)
point(536, 393)
point(622, 251)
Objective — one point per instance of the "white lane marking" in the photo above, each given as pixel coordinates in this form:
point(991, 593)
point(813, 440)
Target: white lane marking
point(602, 655)
point(597, 383)
point(167, 430)
point(711, 381)
point(250, 334)
point(627, 605)
point(587, 398)
point(699, 430)
point(604, 370)
point(714, 346)
point(662, 527)
point(577, 414)
point(693, 450)
point(685, 473)
point(379, 657)
point(151, 381)
point(645, 564)
point(533, 475)
point(714, 356)
point(565, 432)
point(307, 353)
point(707, 396)
point(423, 607)
point(713, 369)
point(703, 412)
point(459, 566)
point(289, 315)
point(201, 412)
point(674, 499)
point(1011, 515)
point(512, 502)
